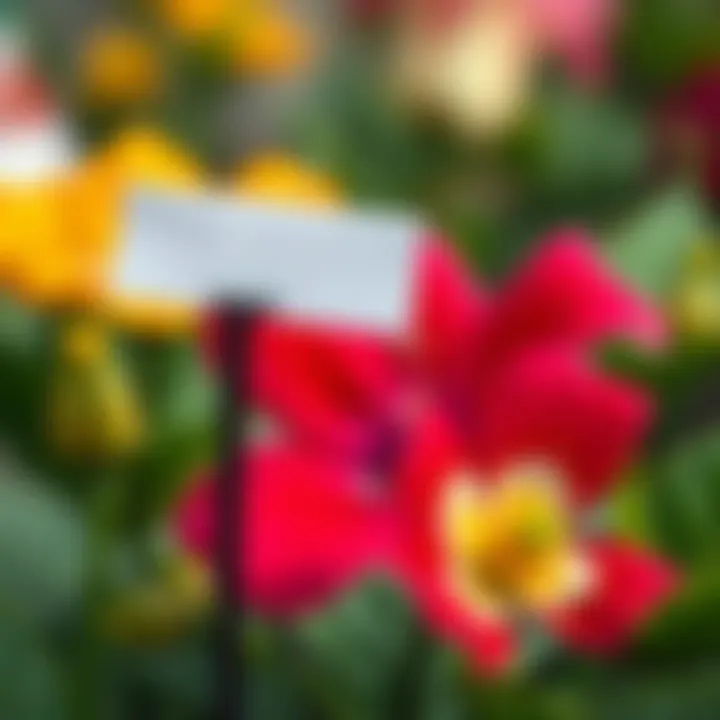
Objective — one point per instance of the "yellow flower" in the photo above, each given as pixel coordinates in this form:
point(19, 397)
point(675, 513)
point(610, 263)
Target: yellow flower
point(98, 190)
point(262, 39)
point(282, 178)
point(195, 19)
point(140, 156)
point(93, 411)
point(33, 258)
point(118, 66)
point(266, 41)
point(159, 610)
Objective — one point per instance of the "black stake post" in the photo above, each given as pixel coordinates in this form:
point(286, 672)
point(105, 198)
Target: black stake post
point(237, 324)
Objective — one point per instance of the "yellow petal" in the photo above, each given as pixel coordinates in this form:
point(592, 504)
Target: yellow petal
point(281, 178)
point(99, 187)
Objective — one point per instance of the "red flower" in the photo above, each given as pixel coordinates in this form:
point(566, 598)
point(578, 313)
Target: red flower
point(493, 531)
point(508, 382)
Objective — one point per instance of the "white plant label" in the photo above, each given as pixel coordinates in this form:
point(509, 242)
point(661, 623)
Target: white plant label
point(318, 264)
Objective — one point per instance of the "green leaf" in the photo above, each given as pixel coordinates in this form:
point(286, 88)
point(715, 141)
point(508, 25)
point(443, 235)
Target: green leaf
point(665, 40)
point(687, 628)
point(441, 690)
point(358, 647)
point(41, 547)
point(30, 679)
point(521, 698)
point(583, 151)
point(179, 401)
point(177, 675)
point(648, 248)
point(270, 694)
point(20, 330)
point(689, 693)
point(683, 499)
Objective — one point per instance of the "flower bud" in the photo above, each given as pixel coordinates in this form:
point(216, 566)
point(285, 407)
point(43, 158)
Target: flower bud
point(697, 300)
point(93, 411)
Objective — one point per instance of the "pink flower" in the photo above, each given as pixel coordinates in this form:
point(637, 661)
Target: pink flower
point(472, 63)
point(578, 31)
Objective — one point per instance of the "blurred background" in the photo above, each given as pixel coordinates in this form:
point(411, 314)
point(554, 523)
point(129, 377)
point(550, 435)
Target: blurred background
point(494, 119)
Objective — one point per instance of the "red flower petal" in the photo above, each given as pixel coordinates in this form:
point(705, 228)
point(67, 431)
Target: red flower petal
point(432, 458)
point(630, 585)
point(327, 386)
point(309, 529)
point(343, 389)
point(565, 294)
point(333, 387)
point(449, 308)
point(489, 642)
point(551, 406)
point(432, 455)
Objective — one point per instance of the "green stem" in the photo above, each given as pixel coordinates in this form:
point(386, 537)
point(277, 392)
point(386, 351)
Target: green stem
point(104, 503)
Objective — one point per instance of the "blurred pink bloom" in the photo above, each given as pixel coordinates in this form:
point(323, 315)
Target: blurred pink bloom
point(578, 31)
point(473, 62)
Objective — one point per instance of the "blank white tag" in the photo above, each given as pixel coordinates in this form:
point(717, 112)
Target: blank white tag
point(321, 264)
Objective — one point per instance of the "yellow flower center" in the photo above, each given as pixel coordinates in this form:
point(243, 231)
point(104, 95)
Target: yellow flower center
point(509, 543)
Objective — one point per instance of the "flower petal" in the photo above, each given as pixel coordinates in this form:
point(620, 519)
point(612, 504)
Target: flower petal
point(449, 308)
point(310, 528)
point(334, 387)
point(628, 586)
point(489, 642)
point(330, 387)
point(578, 31)
point(566, 294)
point(431, 459)
point(552, 407)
